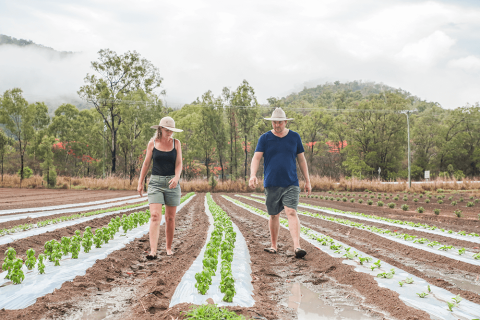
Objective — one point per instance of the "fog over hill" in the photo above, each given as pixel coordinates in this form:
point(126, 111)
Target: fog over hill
point(43, 73)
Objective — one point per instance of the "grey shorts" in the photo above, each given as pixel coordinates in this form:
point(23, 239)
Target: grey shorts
point(158, 191)
point(276, 198)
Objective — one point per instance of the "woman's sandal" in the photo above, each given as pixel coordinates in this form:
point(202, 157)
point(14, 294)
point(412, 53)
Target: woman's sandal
point(270, 250)
point(300, 253)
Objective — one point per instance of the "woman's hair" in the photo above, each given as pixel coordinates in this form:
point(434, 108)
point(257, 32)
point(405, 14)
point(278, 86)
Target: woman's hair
point(158, 134)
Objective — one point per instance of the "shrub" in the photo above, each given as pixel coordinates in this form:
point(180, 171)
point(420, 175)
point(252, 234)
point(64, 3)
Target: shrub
point(450, 198)
point(50, 177)
point(344, 199)
point(27, 172)
point(477, 200)
point(470, 204)
point(439, 190)
point(404, 207)
point(329, 192)
point(366, 190)
point(471, 198)
point(372, 196)
point(454, 203)
point(405, 199)
point(379, 197)
point(369, 202)
point(386, 198)
point(458, 213)
point(366, 196)
point(415, 200)
point(391, 205)
point(352, 200)
point(396, 198)
point(436, 211)
point(332, 198)
point(461, 199)
point(380, 204)
point(427, 200)
point(420, 209)
point(338, 199)
point(421, 196)
point(429, 196)
point(440, 201)
point(360, 201)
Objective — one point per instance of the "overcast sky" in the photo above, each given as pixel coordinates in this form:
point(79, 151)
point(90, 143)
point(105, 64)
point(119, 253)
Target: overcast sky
point(429, 48)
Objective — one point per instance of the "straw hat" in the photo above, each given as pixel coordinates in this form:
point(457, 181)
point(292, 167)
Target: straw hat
point(167, 123)
point(278, 115)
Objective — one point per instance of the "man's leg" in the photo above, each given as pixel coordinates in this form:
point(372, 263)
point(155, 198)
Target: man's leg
point(274, 225)
point(293, 226)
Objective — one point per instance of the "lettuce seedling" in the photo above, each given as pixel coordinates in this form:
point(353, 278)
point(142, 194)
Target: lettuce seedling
point(378, 264)
point(401, 283)
point(445, 248)
point(457, 299)
point(229, 294)
point(451, 305)
point(422, 295)
point(87, 244)
point(41, 265)
point(98, 238)
point(364, 259)
point(409, 280)
point(10, 257)
point(429, 290)
point(31, 260)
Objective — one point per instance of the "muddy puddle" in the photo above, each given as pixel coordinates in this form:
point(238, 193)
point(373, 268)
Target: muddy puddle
point(309, 307)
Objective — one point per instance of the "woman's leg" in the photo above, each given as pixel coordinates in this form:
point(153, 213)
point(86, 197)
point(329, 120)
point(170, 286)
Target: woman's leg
point(169, 227)
point(155, 219)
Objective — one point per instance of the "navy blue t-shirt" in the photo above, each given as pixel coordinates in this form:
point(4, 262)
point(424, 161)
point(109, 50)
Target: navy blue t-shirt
point(280, 155)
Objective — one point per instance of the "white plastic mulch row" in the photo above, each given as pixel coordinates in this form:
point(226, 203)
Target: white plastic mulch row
point(438, 232)
point(467, 257)
point(63, 206)
point(37, 285)
point(52, 227)
point(186, 291)
point(435, 304)
point(73, 210)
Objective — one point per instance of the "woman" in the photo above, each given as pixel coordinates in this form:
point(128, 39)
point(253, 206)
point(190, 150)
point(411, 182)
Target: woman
point(163, 188)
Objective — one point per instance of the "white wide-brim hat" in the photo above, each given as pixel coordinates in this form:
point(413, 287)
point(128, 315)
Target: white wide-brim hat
point(167, 123)
point(278, 115)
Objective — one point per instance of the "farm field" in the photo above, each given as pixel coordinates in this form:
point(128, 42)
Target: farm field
point(122, 284)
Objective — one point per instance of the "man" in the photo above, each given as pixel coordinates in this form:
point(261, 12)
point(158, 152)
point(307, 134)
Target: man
point(281, 147)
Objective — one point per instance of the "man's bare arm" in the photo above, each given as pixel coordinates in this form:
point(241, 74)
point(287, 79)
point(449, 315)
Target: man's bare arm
point(252, 183)
point(302, 162)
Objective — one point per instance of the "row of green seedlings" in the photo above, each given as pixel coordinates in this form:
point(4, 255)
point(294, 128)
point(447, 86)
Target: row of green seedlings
point(55, 250)
point(215, 247)
point(374, 229)
point(352, 255)
point(399, 222)
point(399, 235)
point(404, 207)
point(347, 253)
point(28, 226)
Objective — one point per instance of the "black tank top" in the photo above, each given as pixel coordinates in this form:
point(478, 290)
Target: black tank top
point(164, 161)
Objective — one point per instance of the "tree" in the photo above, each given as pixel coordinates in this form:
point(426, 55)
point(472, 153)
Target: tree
point(49, 172)
point(5, 145)
point(18, 117)
point(120, 75)
point(246, 102)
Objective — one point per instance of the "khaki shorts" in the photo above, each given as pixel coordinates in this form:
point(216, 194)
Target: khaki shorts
point(276, 198)
point(158, 191)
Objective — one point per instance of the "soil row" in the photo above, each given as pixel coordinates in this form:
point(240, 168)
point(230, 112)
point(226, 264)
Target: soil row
point(446, 208)
point(453, 223)
point(15, 198)
point(272, 270)
point(390, 251)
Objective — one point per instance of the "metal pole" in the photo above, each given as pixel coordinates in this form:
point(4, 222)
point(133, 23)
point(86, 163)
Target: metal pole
point(408, 137)
point(104, 131)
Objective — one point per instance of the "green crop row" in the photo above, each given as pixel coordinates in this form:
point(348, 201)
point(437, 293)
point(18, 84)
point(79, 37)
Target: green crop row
point(222, 241)
point(55, 250)
point(399, 222)
point(27, 226)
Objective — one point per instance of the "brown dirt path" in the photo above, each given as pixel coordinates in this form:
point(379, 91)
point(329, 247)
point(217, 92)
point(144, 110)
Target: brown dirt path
point(272, 271)
point(127, 278)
